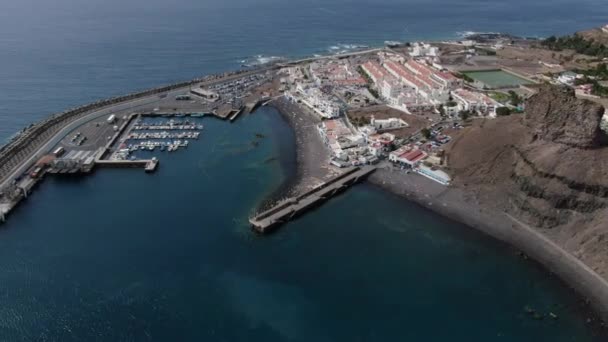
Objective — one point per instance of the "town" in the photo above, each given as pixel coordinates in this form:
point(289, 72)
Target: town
point(398, 106)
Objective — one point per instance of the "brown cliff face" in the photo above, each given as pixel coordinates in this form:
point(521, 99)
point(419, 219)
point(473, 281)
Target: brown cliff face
point(548, 168)
point(555, 115)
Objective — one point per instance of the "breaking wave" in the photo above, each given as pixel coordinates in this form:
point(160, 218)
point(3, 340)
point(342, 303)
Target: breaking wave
point(260, 60)
point(344, 48)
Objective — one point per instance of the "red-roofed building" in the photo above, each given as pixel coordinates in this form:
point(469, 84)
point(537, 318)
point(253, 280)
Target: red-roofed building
point(375, 71)
point(405, 76)
point(407, 155)
point(418, 68)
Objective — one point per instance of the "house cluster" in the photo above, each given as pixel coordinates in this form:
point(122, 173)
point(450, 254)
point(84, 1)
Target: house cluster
point(410, 85)
point(475, 102)
point(318, 84)
point(423, 50)
point(336, 73)
point(348, 148)
point(324, 104)
point(570, 78)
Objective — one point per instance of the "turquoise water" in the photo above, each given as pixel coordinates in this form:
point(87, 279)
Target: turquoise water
point(497, 78)
point(126, 256)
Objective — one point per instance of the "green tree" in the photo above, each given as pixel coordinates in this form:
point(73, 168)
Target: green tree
point(426, 133)
point(515, 99)
point(503, 111)
point(465, 115)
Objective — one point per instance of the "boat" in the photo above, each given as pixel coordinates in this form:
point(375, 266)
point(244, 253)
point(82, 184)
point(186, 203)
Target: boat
point(197, 115)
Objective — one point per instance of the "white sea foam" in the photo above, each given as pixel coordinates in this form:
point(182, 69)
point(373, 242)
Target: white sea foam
point(464, 34)
point(392, 42)
point(260, 60)
point(344, 48)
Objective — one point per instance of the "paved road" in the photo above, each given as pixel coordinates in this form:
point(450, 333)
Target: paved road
point(44, 149)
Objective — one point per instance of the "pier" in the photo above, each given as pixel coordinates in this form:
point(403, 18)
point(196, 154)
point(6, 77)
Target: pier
point(290, 208)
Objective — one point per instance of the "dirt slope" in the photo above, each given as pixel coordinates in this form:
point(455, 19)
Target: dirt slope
point(548, 167)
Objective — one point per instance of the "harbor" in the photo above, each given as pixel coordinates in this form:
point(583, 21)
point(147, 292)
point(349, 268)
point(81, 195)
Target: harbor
point(125, 131)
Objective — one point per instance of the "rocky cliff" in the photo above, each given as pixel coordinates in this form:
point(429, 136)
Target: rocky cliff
point(548, 167)
point(555, 115)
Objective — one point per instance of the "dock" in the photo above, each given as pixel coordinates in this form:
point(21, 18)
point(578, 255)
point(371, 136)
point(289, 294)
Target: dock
point(290, 208)
point(149, 165)
point(236, 114)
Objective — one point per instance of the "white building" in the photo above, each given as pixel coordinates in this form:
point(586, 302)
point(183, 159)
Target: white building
point(476, 102)
point(423, 49)
point(567, 78)
point(435, 174)
point(319, 102)
point(387, 124)
point(605, 28)
point(206, 94)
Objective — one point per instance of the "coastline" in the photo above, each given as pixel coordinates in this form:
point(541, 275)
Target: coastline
point(456, 204)
point(306, 161)
point(453, 203)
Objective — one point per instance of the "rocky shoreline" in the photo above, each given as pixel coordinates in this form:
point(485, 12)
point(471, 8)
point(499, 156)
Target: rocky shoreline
point(311, 163)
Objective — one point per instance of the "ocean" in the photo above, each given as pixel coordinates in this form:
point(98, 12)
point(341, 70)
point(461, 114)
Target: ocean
point(127, 256)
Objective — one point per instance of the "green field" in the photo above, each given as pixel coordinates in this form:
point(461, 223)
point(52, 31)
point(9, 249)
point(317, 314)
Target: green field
point(497, 78)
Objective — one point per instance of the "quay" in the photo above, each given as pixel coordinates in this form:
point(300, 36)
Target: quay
point(149, 165)
point(288, 209)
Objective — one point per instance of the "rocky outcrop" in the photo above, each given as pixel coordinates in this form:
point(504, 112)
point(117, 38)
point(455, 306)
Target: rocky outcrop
point(548, 168)
point(555, 115)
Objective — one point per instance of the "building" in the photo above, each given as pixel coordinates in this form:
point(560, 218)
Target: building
point(446, 79)
point(374, 71)
point(567, 78)
point(321, 103)
point(407, 156)
point(475, 102)
point(390, 88)
point(387, 124)
point(404, 76)
point(605, 28)
point(418, 77)
point(422, 49)
point(206, 94)
point(434, 174)
point(330, 130)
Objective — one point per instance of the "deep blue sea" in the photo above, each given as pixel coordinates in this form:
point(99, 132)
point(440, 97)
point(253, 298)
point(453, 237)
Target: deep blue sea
point(126, 256)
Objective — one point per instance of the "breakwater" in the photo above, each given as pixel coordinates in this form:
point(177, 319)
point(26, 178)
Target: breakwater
point(288, 209)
